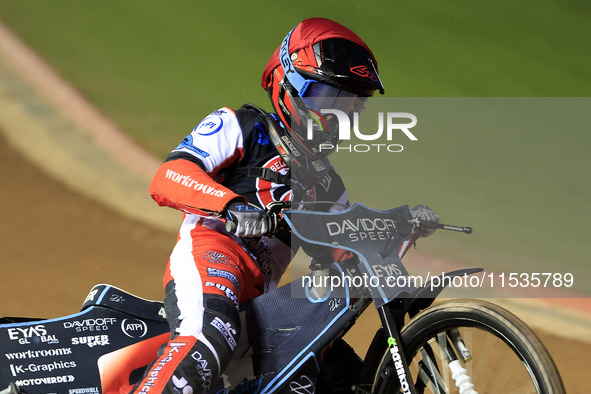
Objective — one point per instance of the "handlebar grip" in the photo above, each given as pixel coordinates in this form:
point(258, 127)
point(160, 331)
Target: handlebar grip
point(466, 230)
point(231, 226)
point(460, 229)
point(272, 211)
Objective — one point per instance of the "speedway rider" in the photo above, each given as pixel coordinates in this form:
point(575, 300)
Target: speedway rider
point(231, 166)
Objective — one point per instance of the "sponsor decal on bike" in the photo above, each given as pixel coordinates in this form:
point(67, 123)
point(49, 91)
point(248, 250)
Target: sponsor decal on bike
point(229, 292)
point(398, 365)
point(383, 271)
point(16, 369)
point(162, 312)
point(29, 354)
point(334, 304)
point(202, 370)
point(118, 298)
point(134, 328)
point(45, 380)
point(31, 334)
point(99, 324)
point(303, 385)
point(227, 330)
point(363, 229)
point(18, 333)
point(91, 341)
point(223, 274)
point(91, 295)
point(152, 378)
point(85, 390)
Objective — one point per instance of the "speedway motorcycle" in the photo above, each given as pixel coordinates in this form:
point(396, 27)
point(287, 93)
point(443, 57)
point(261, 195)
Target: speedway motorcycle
point(291, 337)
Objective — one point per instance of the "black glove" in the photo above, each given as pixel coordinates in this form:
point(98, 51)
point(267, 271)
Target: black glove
point(424, 221)
point(247, 220)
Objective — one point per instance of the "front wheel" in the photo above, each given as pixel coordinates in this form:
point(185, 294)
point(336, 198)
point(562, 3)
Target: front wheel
point(471, 346)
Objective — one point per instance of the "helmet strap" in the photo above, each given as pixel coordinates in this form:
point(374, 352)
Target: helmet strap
point(300, 166)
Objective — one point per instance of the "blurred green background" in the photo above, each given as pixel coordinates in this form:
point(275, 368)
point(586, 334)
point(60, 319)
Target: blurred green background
point(157, 68)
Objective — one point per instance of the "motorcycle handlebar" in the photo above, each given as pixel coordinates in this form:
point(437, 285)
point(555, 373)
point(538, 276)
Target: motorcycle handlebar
point(450, 227)
point(465, 230)
point(231, 226)
point(273, 211)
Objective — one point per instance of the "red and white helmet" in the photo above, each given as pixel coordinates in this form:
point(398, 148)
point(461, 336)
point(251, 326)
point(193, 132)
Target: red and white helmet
point(320, 64)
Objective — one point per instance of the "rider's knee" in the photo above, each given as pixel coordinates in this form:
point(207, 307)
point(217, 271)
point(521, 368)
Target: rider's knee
point(221, 326)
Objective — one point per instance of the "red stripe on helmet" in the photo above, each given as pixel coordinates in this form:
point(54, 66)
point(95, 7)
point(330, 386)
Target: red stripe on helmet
point(308, 33)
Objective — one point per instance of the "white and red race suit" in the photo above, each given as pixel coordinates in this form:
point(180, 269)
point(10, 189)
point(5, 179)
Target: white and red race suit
point(210, 271)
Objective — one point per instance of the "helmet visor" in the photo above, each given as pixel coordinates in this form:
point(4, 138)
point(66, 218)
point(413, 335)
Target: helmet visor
point(320, 96)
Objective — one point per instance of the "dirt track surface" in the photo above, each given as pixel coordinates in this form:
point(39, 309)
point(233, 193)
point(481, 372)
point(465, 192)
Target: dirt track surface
point(56, 243)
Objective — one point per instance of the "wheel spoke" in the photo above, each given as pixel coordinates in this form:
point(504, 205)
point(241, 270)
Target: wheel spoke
point(442, 344)
point(431, 365)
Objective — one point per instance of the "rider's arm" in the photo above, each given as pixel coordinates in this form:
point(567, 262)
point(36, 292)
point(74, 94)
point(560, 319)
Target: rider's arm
point(183, 185)
point(188, 179)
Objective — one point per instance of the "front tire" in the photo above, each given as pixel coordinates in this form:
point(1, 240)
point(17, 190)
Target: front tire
point(506, 356)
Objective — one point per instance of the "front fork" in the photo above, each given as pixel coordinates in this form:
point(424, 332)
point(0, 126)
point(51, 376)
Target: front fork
point(401, 368)
point(451, 345)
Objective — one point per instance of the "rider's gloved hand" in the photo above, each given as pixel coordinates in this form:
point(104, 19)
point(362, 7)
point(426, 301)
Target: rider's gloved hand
point(425, 221)
point(248, 220)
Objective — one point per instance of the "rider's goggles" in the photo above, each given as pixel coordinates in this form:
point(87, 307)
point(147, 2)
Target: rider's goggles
point(318, 95)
